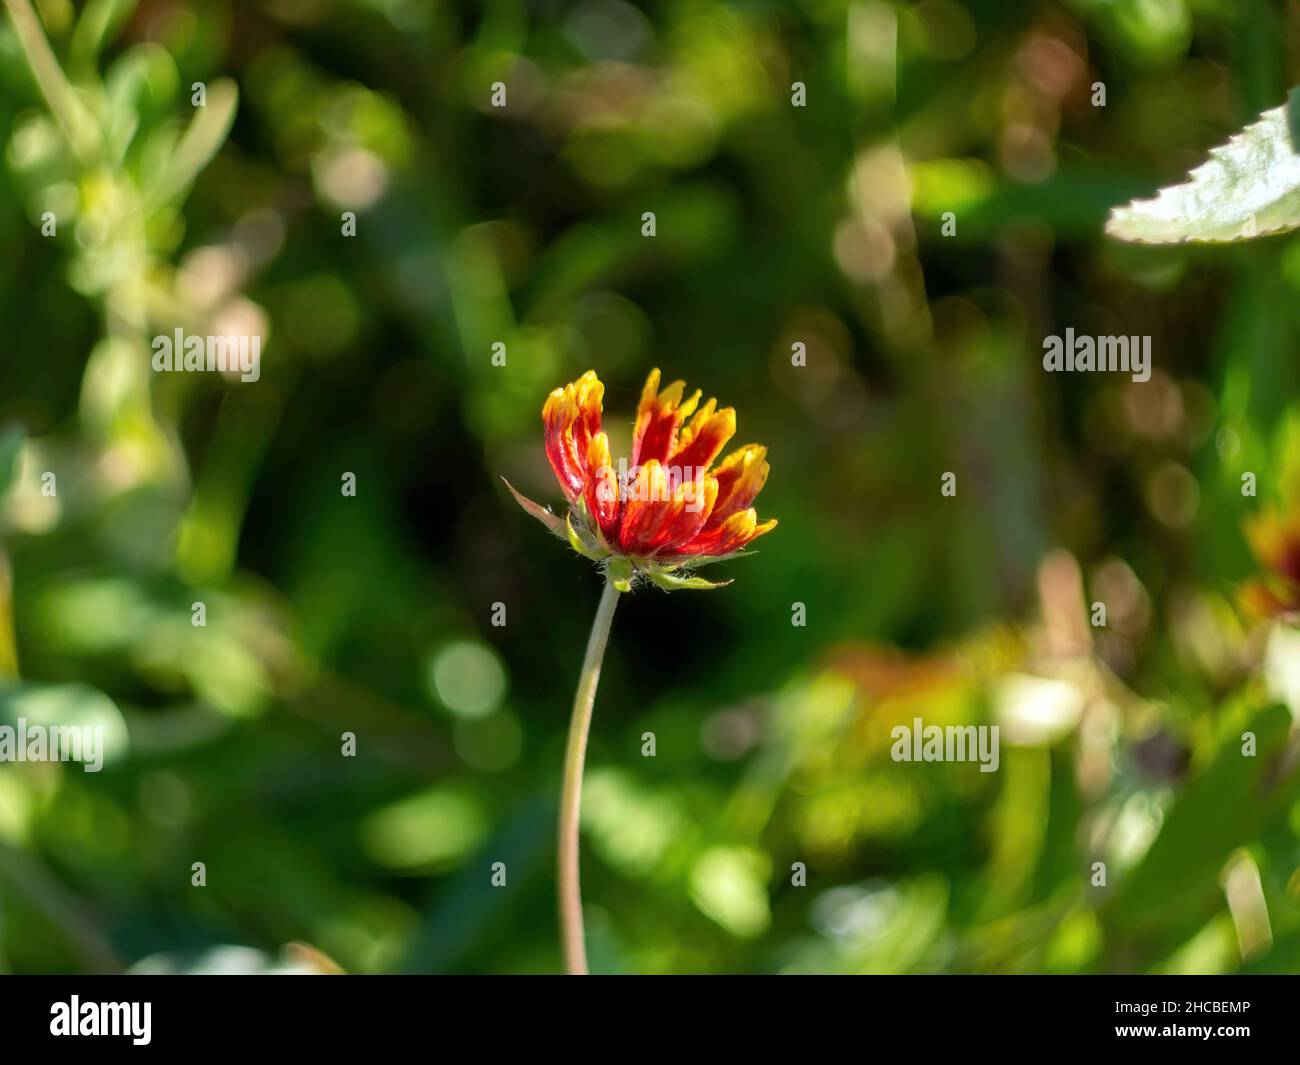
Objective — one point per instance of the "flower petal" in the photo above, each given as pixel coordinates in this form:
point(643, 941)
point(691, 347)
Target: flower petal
point(667, 512)
point(658, 418)
point(601, 491)
point(703, 440)
point(571, 416)
point(693, 504)
point(738, 530)
point(741, 476)
point(646, 499)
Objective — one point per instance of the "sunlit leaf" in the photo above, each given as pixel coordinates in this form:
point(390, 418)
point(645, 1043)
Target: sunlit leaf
point(224, 961)
point(64, 707)
point(1249, 188)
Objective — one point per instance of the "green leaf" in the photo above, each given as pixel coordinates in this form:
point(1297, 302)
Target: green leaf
point(1249, 188)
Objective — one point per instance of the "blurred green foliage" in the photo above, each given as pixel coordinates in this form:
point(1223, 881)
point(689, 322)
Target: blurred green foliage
point(327, 614)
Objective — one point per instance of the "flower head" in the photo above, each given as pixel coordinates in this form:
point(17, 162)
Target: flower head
point(669, 507)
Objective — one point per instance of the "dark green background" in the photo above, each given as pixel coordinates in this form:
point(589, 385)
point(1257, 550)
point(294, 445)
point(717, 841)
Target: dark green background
point(775, 224)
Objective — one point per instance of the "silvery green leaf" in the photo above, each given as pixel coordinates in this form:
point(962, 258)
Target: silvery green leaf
point(1250, 187)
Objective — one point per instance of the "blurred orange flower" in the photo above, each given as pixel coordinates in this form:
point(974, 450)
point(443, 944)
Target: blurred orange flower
point(1275, 540)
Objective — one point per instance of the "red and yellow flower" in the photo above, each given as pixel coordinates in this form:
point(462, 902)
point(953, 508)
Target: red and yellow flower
point(669, 508)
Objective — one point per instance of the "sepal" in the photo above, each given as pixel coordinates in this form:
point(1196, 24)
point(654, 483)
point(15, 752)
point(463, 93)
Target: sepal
point(668, 580)
point(543, 514)
point(584, 542)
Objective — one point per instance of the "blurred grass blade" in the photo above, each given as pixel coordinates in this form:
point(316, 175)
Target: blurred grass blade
point(1218, 811)
point(8, 640)
point(100, 22)
point(201, 141)
point(77, 126)
point(11, 443)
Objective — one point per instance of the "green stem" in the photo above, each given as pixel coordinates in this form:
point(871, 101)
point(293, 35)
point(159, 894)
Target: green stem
point(575, 949)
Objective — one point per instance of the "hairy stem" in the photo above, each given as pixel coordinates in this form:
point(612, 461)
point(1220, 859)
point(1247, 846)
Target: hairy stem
point(575, 949)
